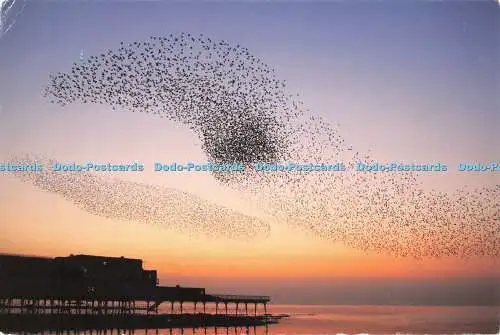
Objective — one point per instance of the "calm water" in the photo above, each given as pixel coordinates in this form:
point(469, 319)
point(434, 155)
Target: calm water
point(314, 319)
point(387, 319)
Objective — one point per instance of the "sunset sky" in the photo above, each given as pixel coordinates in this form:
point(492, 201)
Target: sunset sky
point(414, 82)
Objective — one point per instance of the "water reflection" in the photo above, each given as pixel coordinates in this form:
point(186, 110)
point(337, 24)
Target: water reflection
point(254, 330)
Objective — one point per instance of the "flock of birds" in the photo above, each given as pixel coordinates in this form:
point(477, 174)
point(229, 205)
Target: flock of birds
point(150, 204)
point(244, 114)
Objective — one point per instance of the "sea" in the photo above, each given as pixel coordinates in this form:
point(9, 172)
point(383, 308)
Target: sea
point(314, 319)
point(335, 319)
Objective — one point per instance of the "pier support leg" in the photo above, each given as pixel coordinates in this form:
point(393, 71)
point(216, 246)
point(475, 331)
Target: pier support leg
point(204, 308)
point(226, 307)
point(237, 305)
point(265, 308)
point(216, 308)
point(255, 309)
point(246, 309)
point(181, 306)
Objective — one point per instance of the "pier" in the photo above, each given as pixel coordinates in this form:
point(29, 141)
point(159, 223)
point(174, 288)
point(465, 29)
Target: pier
point(98, 288)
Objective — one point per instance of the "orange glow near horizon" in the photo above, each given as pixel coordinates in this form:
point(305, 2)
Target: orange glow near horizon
point(334, 266)
point(286, 253)
point(40, 223)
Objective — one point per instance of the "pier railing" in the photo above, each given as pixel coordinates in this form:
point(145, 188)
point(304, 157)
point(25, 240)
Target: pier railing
point(262, 298)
